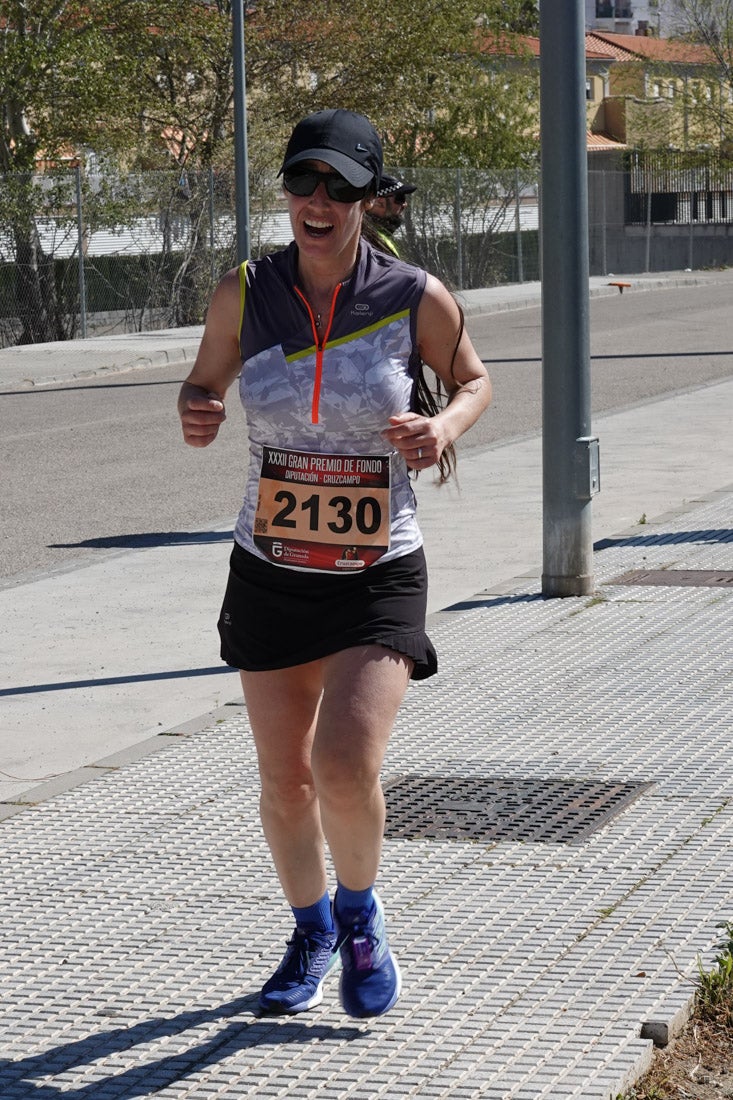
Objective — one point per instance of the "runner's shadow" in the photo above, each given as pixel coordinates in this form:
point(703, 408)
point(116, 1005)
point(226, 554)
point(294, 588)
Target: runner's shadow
point(159, 1072)
point(146, 539)
point(110, 681)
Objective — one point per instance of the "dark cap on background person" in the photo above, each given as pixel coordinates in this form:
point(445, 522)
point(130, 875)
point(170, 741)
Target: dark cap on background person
point(345, 140)
point(391, 186)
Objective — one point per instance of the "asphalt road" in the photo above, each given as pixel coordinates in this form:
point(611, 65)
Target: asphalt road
point(98, 466)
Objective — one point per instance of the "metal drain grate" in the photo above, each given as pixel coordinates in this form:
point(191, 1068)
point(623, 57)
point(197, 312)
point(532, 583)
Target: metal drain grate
point(550, 811)
point(698, 578)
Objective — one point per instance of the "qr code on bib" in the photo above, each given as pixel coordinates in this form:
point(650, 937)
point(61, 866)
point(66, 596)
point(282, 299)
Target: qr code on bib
point(260, 526)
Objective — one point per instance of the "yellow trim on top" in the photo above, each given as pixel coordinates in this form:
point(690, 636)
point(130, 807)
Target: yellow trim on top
point(242, 293)
point(352, 336)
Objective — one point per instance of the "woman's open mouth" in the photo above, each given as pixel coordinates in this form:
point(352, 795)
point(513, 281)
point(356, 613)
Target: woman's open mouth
point(317, 228)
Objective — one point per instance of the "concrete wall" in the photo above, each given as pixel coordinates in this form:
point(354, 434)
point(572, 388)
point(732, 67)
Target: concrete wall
point(625, 249)
point(631, 249)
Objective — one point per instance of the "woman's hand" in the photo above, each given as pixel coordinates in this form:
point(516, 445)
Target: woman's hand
point(201, 415)
point(417, 438)
point(201, 398)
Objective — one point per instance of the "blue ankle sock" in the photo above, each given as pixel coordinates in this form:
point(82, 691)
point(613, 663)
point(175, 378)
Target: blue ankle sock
point(350, 903)
point(314, 918)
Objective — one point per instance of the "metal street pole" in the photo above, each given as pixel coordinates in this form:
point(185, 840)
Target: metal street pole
point(80, 245)
point(570, 471)
point(241, 163)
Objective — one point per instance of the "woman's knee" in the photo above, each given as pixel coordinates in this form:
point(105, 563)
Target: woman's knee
point(286, 792)
point(343, 779)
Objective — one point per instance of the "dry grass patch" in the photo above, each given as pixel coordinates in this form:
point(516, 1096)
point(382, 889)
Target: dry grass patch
point(698, 1065)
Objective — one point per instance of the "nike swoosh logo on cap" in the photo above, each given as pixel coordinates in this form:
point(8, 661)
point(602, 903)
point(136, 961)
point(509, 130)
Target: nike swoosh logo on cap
point(360, 148)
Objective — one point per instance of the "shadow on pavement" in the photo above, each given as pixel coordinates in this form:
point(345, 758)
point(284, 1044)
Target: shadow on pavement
point(155, 1074)
point(147, 539)
point(492, 601)
point(107, 681)
point(675, 538)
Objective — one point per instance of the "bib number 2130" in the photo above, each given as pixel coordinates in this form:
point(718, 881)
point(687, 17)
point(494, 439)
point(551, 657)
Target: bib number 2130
point(323, 511)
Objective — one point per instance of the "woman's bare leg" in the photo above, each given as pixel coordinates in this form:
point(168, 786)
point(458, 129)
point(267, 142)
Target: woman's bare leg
point(283, 708)
point(321, 731)
point(363, 688)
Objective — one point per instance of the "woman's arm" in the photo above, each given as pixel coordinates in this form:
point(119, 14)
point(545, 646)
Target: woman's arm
point(421, 439)
point(201, 399)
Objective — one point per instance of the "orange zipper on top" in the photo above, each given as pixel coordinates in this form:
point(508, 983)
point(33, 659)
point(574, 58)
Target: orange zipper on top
point(319, 345)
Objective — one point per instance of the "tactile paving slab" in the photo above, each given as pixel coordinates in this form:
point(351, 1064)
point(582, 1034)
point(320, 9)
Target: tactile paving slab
point(141, 913)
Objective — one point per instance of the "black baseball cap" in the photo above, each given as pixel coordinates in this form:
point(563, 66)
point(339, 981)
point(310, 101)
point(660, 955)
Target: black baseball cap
point(390, 185)
point(345, 140)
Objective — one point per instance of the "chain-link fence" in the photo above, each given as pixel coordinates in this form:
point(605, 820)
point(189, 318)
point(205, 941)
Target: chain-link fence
point(90, 254)
point(83, 254)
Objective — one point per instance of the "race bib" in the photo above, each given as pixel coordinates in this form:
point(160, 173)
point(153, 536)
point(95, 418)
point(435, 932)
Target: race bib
point(323, 511)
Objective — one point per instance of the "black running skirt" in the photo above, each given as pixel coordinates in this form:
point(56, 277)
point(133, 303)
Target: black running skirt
point(275, 618)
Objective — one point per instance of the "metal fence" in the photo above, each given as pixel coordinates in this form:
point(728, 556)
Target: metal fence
point(90, 254)
point(678, 188)
point(661, 213)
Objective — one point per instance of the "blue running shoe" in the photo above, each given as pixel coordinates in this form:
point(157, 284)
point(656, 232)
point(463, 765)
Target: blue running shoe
point(370, 980)
point(297, 984)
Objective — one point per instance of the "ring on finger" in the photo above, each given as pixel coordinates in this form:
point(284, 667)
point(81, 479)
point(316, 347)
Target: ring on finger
point(419, 452)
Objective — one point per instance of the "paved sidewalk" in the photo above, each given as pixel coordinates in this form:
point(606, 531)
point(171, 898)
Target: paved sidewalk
point(560, 849)
point(33, 365)
point(96, 690)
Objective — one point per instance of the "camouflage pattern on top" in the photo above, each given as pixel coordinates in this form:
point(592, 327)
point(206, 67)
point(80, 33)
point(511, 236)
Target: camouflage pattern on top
point(367, 369)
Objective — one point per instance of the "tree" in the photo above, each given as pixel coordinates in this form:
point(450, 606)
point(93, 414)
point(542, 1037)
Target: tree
point(180, 53)
point(420, 71)
point(149, 84)
point(709, 23)
point(56, 57)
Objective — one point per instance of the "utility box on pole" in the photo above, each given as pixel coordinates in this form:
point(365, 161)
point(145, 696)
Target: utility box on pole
point(570, 458)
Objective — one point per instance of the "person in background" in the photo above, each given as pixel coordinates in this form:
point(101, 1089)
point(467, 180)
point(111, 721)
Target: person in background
point(324, 611)
point(386, 214)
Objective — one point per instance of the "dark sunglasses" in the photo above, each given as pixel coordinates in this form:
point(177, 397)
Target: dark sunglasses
point(399, 200)
point(304, 181)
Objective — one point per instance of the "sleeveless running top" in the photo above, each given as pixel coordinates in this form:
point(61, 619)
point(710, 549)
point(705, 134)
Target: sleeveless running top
point(332, 394)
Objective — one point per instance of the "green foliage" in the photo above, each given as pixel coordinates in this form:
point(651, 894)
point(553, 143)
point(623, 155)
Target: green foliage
point(708, 23)
point(428, 75)
point(715, 986)
point(161, 85)
point(147, 83)
point(56, 92)
point(182, 72)
point(524, 18)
